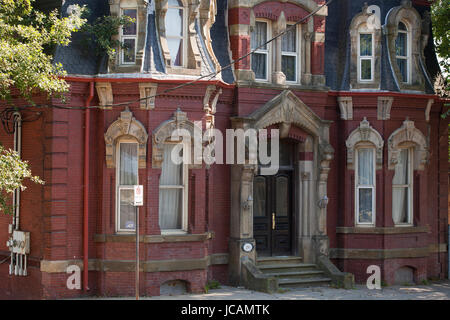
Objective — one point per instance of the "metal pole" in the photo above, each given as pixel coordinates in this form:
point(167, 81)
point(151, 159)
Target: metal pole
point(137, 253)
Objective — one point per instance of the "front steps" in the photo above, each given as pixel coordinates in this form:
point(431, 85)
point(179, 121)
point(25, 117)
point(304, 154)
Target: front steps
point(291, 272)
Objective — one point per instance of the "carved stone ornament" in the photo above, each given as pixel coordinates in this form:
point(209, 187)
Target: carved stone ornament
point(105, 94)
point(147, 92)
point(126, 125)
point(408, 133)
point(346, 107)
point(164, 133)
point(364, 133)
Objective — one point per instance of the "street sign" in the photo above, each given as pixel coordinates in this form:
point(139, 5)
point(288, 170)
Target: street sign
point(138, 195)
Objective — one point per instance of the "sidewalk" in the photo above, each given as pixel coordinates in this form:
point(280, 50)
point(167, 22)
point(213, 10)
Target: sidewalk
point(434, 291)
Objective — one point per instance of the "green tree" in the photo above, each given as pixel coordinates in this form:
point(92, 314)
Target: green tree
point(26, 37)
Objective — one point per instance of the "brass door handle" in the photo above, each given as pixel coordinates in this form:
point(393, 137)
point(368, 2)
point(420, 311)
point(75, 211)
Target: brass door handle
point(273, 221)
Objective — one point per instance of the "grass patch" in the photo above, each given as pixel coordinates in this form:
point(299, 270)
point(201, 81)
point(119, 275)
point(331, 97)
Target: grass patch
point(213, 284)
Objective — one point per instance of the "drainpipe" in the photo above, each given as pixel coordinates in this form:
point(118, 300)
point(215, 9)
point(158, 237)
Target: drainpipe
point(87, 118)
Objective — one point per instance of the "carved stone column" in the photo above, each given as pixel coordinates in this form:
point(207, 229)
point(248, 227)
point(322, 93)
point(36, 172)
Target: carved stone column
point(278, 77)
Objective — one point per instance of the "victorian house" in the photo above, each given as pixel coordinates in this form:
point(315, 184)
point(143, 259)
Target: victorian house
point(363, 172)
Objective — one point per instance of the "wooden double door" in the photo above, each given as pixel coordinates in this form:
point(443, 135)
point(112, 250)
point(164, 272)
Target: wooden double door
point(272, 213)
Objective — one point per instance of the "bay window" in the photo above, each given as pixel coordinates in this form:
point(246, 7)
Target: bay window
point(365, 186)
point(402, 189)
point(128, 35)
point(126, 178)
point(173, 189)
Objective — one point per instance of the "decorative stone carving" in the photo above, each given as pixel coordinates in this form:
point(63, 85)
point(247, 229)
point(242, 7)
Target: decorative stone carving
point(364, 133)
point(428, 109)
point(346, 107)
point(164, 132)
point(407, 14)
point(126, 125)
point(105, 94)
point(384, 108)
point(360, 24)
point(408, 133)
point(147, 92)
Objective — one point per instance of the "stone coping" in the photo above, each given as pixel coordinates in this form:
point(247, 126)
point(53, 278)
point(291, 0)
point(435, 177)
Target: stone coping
point(383, 230)
point(164, 238)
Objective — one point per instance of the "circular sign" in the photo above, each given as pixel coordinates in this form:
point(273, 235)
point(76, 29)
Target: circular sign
point(247, 247)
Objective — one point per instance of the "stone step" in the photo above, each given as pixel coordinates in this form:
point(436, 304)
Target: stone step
point(303, 282)
point(295, 267)
point(278, 260)
point(296, 274)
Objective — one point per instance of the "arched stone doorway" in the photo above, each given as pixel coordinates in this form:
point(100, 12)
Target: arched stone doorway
point(305, 178)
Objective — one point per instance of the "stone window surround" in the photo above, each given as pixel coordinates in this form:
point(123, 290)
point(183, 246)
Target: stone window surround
point(357, 22)
point(116, 7)
point(364, 133)
point(304, 38)
point(192, 58)
point(126, 126)
point(408, 135)
point(418, 30)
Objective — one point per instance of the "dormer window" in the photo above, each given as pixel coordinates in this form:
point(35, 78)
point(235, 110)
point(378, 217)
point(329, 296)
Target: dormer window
point(365, 56)
point(128, 36)
point(402, 51)
point(175, 23)
point(289, 55)
point(260, 58)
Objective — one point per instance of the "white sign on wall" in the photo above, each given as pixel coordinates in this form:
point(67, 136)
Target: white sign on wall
point(138, 195)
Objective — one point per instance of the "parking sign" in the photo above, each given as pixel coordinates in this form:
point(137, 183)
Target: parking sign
point(138, 195)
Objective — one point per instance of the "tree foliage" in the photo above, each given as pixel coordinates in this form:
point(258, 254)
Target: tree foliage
point(25, 34)
point(13, 171)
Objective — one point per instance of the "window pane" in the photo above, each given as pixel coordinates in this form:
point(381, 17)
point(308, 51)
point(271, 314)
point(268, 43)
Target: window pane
point(259, 35)
point(171, 173)
point(259, 65)
point(401, 26)
point(400, 205)
point(176, 51)
point(129, 51)
point(130, 29)
point(365, 44)
point(289, 41)
point(259, 193)
point(282, 194)
point(128, 164)
point(401, 168)
point(402, 65)
point(170, 208)
point(288, 66)
point(175, 3)
point(365, 167)
point(366, 69)
point(174, 23)
point(400, 44)
point(127, 210)
point(365, 205)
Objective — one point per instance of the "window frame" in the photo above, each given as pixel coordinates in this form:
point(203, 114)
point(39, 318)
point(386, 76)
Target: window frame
point(362, 31)
point(296, 54)
point(409, 186)
point(408, 51)
point(126, 37)
point(267, 52)
point(358, 186)
point(184, 37)
point(120, 187)
point(185, 194)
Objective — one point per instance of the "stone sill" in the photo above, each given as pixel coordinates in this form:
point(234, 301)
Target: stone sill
point(166, 238)
point(288, 86)
point(382, 230)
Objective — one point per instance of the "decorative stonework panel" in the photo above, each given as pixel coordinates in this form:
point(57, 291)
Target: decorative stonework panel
point(147, 92)
point(105, 94)
point(364, 133)
point(164, 132)
point(408, 133)
point(126, 125)
point(384, 108)
point(346, 107)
